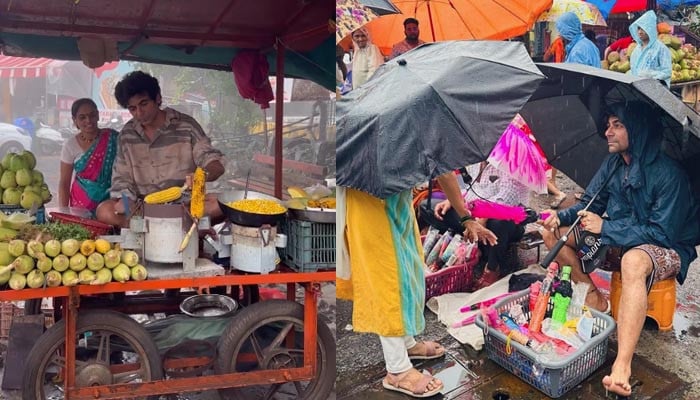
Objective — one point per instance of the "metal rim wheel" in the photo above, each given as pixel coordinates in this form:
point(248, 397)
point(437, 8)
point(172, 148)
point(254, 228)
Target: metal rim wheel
point(105, 341)
point(262, 328)
point(11, 147)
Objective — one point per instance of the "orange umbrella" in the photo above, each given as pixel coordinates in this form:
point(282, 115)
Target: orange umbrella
point(458, 19)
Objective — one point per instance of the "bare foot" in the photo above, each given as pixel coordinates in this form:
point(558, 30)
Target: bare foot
point(413, 383)
point(597, 300)
point(426, 350)
point(558, 199)
point(618, 381)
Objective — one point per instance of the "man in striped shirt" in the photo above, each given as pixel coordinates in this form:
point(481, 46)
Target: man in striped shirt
point(158, 148)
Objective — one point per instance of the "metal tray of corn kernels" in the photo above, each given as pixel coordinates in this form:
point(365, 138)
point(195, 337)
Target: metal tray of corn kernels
point(326, 216)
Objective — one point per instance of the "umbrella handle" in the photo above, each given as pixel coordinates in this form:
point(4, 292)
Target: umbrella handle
point(565, 237)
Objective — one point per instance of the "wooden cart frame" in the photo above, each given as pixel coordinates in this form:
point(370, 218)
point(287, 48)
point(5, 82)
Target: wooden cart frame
point(72, 294)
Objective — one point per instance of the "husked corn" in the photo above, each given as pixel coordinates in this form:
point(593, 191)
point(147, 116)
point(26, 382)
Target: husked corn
point(258, 206)
point(198, 193)
point(164, 196)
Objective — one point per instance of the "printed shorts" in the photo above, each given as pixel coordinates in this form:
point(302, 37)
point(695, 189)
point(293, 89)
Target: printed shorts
point(666, 262)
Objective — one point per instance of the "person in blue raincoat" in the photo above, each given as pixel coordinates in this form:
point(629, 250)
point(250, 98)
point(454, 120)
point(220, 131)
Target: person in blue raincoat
point(651, 58)
point(579, 49)
point(651, 226)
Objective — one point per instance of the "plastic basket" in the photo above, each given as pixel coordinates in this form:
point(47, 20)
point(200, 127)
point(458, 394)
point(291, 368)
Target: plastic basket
point(457, 278)
point(553, 378)
point(40, 212)
point(310, 245)
point(95, 227)
point(8, 311)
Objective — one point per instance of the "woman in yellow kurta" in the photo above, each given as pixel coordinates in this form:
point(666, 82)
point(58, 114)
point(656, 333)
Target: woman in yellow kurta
point(386, 280)
point(386, 260)
point(390, 246)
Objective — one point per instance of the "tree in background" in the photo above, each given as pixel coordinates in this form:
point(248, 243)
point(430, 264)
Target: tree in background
point(229, 114)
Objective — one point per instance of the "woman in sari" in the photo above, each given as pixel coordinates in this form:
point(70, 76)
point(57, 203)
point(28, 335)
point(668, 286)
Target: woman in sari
point(86, 160)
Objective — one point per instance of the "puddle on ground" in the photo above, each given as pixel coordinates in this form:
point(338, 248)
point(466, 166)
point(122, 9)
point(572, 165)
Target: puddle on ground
point(468, 378)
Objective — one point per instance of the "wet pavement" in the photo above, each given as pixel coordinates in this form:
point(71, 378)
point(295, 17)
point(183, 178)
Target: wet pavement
point(665, 365)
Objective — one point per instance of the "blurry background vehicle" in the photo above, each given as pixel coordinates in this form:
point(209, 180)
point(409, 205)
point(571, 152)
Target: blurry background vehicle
point(47, 140)
point(13, 139)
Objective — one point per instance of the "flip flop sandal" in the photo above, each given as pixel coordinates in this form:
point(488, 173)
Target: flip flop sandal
point(420, 389)
point(558, 200)
point(432, 350)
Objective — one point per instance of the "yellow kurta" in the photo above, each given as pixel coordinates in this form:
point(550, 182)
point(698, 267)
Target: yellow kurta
point(387, 284)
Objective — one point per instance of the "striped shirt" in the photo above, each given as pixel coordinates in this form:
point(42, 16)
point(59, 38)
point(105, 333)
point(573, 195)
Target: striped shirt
point(143, 166)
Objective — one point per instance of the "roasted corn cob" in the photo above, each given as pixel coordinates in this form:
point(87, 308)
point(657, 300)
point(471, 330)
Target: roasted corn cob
point(198, 192)
point(164, 196)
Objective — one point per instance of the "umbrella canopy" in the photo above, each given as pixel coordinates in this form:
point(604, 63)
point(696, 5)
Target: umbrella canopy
point(567, 111)
point(349, 16)
point(607, 7)
point(439, 107)
point(586, 12)
point(380, 7)
point(517, 155)
point(458, 20)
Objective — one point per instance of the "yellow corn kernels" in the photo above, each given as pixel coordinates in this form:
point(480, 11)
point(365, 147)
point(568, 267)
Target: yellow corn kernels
point(258, 206)
point(164, 196)
point(198, 192)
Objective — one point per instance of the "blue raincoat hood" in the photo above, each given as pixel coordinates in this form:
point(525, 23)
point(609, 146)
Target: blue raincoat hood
point(653, 61)
point(578, 48)
point(648, 201)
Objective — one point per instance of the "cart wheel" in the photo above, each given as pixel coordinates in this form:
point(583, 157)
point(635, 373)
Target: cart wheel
point(105, 341)
point(260, 331)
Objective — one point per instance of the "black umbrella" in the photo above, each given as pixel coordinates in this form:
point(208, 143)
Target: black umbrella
point(381, 7)
point(566, 115)
point(436, 108)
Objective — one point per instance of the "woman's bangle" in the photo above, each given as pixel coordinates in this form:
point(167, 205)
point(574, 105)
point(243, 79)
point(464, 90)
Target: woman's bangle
point(465, 219)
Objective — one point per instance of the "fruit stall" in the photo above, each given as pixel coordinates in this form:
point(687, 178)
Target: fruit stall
point(260, 348)
point(685, 74)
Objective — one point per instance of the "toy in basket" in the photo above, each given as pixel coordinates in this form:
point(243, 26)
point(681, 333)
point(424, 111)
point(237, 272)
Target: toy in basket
point(450, 263)
point(552, 373)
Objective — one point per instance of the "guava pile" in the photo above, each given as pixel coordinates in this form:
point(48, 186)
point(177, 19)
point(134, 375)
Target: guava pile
point(36, 264)
point(20, 184)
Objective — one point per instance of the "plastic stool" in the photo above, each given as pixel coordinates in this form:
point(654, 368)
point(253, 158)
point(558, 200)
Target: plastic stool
point(661, 302)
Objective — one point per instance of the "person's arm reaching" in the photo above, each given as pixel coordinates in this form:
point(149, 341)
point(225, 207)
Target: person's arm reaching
point(473, 230)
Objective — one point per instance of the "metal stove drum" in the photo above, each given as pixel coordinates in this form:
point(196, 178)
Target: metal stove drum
point(250, 240)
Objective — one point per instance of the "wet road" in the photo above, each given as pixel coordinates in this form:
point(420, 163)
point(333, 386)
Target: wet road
point(666, 362)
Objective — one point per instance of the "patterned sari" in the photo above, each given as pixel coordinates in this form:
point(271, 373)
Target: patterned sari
point(93, 172)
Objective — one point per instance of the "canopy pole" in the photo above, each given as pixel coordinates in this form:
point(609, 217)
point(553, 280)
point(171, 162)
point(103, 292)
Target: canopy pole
point(279, 117)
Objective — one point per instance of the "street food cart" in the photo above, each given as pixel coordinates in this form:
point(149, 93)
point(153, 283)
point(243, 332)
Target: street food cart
point(295, 37)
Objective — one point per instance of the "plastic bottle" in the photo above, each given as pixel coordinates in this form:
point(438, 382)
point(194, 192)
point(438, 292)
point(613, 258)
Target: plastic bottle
point(562, 296)
point(454, 243)
point(435, 251)
point(430, 239)
point(534, 293)
point(537, 315)
point(446, 240)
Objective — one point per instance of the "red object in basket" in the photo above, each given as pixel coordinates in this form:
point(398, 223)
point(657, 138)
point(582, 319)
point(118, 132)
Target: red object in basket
point(95, 227)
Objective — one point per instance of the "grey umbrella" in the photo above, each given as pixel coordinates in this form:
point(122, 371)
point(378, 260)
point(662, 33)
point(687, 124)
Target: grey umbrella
point(434, 109)
point(381, 7)
point(566, 115)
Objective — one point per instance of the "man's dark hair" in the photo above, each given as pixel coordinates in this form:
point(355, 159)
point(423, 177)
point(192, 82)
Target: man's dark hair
point(133, 83)
point(409, 21)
